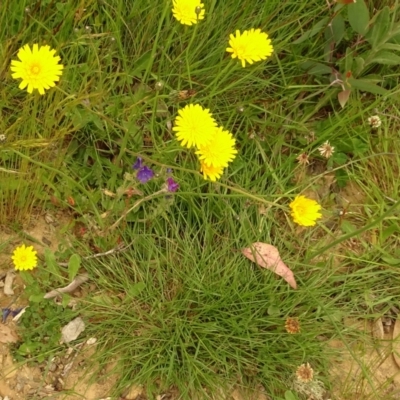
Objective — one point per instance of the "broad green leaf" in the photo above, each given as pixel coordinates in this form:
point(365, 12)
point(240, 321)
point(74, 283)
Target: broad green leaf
point(339, 158)
point(36, 298)
point(386, 58)
point(273, 310)
point(317, 28)
point(347, 227)
point(367, 86)
point(289, 395)
point(358, 16)
point(348, 60)
point(389, 231)
point(74, 264)
point(338, 28)
point(390, 46)
point(136, 289)
point(391, 261)
point(380, 28)
point(320, 69)
point(51, 263)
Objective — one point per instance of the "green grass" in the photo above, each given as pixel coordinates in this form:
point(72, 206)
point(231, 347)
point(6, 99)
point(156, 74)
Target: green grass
point(182, 307)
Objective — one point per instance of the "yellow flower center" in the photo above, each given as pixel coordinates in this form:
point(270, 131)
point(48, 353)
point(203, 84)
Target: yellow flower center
point(23, 258)
point(35, 69)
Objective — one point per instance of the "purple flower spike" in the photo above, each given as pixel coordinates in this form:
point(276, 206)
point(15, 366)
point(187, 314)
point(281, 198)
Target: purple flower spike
point(138, 164)
point(144, 174)
point(172, 185)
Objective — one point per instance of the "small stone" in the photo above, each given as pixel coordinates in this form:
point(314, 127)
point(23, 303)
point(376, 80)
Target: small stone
point(91, 341)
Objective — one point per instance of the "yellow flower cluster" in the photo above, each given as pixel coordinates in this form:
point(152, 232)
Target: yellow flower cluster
point(249, 46)
point(215, 147)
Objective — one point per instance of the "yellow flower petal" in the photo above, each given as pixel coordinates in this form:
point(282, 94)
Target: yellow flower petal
point(305, 211)
point(250, 46)
point(188, 12)
point(211, 173)
point(24, 258)
point(38, 68)
point(220, 151)
point(194, 126)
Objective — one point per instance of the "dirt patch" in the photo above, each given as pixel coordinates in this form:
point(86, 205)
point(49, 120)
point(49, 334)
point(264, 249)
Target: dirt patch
point(365, 368)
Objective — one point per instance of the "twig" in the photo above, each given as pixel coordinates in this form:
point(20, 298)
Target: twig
point(126, 212)
point(67, 289)
point(117, 249)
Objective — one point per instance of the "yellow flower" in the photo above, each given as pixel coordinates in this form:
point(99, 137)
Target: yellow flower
point(194, 126)
point(24, 258)
point(220, 151)
point(211, 173)
point(38, 68)
point(252, 45)
point(188, 12)
point(305, 211)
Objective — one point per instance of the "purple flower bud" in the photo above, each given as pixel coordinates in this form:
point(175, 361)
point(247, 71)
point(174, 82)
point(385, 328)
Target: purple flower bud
point(138, 164)
point(144, 174)
point(172, 185)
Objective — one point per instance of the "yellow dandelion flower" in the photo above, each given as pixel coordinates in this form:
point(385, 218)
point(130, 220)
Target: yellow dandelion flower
point(188, 12)
point(220, 151)
point(305, 211)
point(194, 126)
point(24, 258)
point(250, 46)
point(38, 68)
point(211, 173)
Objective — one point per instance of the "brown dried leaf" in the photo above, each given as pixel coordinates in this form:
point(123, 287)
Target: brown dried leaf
point(7, 335)
point(343, 97)
point(267, 256)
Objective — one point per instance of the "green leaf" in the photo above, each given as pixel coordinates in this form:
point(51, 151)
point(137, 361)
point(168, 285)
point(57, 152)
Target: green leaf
point(348, 60)
point(367, 86)
point(36, 298)
point(380, 28)
point(358, 67)
point(338, 28)
point(27, 277)
point(74, 264)
point(390, 46)
point(317, 28)
point(358, 16)
point(289, 395)
point(273, 310)
point(386, 58)
point(136, 289)
point(391, 261)
point(389, 231)
point(339, 158)
point(51, 263)
point(141, 64)
point(320, 69)
point(347, 227)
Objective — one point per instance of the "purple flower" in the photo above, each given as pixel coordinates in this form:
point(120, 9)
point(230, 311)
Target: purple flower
point(144, 174)
point(172, 186)
point(138, 164)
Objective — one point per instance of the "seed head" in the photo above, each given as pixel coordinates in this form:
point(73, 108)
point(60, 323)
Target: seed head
point(305, 373)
